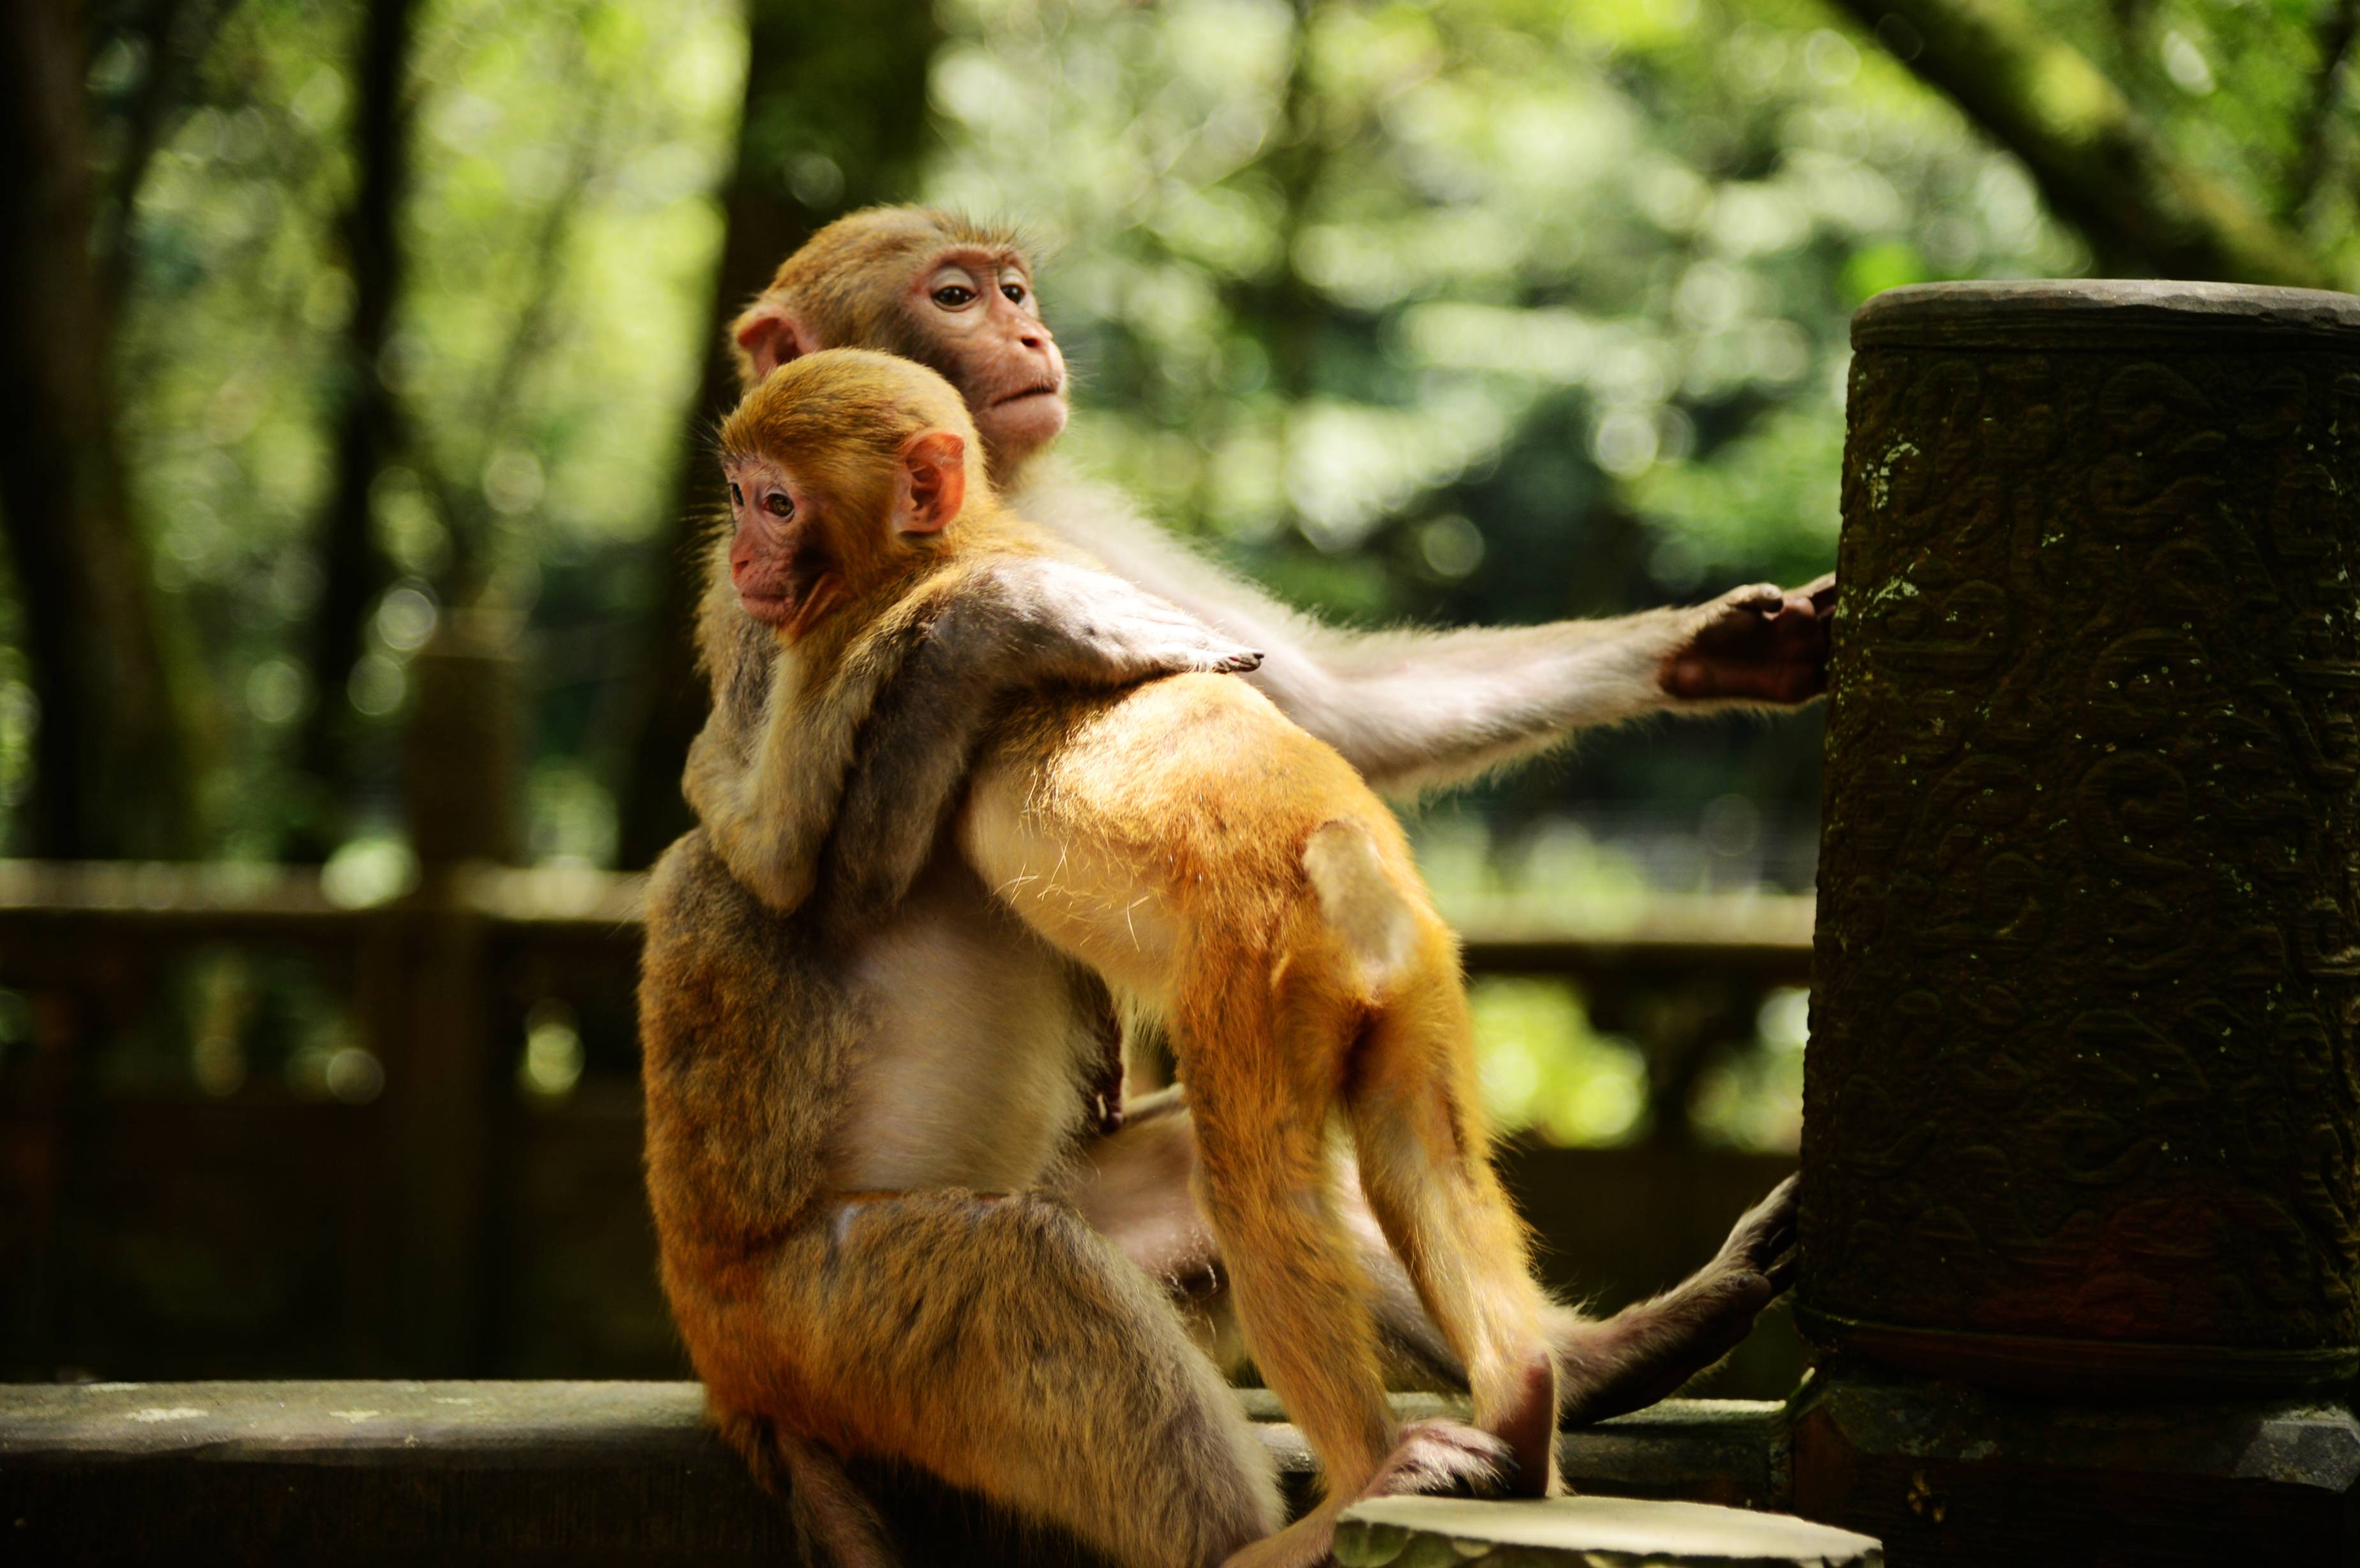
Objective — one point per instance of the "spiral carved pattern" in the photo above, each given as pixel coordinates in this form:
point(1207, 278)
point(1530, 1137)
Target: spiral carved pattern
point(2087, 964)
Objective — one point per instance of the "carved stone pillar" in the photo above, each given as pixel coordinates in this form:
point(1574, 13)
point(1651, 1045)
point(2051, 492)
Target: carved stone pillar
point(2082, 1114)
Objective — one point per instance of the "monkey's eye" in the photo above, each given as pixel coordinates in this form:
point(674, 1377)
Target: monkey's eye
point(951, 296)
point(1014, 291)
point(778, 506)
point(737, 497)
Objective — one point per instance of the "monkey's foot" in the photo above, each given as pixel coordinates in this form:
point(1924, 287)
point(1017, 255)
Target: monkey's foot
point(1433, 1458)
point(1646, 1351)
point(1437, 1457)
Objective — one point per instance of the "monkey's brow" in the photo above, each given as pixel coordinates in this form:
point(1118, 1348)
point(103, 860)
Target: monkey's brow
point(969, 254)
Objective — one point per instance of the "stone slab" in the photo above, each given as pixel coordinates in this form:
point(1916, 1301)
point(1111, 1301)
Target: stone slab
point(526, 1473)
point(1595, 1532)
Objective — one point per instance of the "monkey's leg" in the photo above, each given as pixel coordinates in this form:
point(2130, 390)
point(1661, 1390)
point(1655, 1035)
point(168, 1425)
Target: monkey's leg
point(1268, 1184)
point(1269, 1189)
point(1000, 1344)
point(1137, 1187)
point(1411, 1099)
point(1262, 1061)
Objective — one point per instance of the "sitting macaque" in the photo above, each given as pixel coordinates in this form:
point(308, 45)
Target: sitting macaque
point(1221, 869)
point(822, 1008)
point(1408, 710)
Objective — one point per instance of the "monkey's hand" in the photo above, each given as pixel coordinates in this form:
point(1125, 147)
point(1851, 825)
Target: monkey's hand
point(1756, 643)
point(1075, 623)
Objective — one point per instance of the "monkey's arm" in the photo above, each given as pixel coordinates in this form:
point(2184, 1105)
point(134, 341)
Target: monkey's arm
point(1018, 625)
point(1417, 710)
point(866, 768)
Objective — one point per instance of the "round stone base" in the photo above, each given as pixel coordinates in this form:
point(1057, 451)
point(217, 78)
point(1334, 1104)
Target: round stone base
point(1596, 1533)
point(2065, 1367)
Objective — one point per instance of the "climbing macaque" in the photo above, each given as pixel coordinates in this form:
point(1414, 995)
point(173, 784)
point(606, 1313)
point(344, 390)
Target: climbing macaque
point(1216, 865)
point(1409, 711)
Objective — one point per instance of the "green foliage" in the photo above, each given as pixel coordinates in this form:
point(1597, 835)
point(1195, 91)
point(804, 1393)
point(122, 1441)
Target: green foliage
point(2239, 90)
point(561, 235)
point(1545, 1069)
point(1492, 311)
point(1326, 270)
point(1486, 311)
point(1753, 1098)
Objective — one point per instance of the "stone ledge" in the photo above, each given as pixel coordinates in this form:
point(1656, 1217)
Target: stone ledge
point(465, 1472)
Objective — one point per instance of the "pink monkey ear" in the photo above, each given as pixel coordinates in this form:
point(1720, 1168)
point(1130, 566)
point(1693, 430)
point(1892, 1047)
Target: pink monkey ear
point(769, 337)
point(933, 483)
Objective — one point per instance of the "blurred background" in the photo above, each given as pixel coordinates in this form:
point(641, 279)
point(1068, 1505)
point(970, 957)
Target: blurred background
point(358, 358)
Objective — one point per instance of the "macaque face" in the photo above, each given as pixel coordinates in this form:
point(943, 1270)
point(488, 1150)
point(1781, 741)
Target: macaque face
point(782, 559)
point(799, 549)
point(976, 306)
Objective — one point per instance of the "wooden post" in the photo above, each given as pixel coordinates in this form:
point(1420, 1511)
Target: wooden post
point(2082, 1104)
point(459, 757)
point(443, 1085)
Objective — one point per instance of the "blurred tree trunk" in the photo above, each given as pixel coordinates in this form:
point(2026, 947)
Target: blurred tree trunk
point(2333, 35)
point(2099, 163)
point(110, 758)
point(835, 118)
point(173, 38)
point(368, 422)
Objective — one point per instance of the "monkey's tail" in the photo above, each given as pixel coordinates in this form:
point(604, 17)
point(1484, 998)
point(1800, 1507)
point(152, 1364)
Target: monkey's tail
point(831, 1512)
point(836, 1524)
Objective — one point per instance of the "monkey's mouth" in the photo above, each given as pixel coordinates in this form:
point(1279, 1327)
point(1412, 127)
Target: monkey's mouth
point(793, 594)
point(795, 599)
point(794, 611)
point(772, 609)
point(1039, 389)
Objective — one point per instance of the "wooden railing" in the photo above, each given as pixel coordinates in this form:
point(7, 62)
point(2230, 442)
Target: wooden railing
point(413, 1206)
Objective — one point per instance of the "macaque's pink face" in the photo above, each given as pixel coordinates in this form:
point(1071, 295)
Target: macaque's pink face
point(781, 561)
point(977, 305)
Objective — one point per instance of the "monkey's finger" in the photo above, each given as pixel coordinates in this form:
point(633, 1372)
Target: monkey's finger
point(1782, 1270)
point(1765, 1232)
point(1782, 1199)
point(1168, 622)
point(1218, 656)
point(1768, 1228)
point(1779, 1241)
